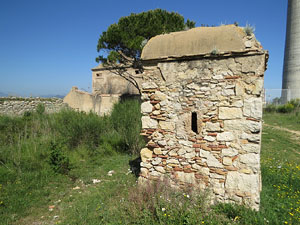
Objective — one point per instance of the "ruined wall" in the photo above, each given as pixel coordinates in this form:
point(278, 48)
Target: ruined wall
point(106, 81)
point(202, 121)
point(17, 106)
point(100, 104)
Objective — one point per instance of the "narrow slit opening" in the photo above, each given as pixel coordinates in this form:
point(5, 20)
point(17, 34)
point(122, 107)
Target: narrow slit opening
point(194, 122)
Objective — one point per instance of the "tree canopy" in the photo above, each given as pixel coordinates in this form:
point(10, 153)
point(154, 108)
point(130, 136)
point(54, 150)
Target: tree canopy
point(123, 41)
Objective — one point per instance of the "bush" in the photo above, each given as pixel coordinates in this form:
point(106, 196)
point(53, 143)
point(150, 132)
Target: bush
point(58, 161)
point(126, 121)
point(286, 108)
point(76, 128)
point(270, 108)
point(40, 109)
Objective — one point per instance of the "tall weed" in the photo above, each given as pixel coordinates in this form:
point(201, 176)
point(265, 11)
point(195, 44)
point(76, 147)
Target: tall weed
point(126, 120)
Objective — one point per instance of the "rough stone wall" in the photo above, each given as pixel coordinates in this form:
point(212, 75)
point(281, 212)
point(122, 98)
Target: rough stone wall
point(17, 106)
point(202, 121)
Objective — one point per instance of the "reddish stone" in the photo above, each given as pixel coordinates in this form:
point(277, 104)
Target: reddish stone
point(196, 158)
point(222, 146)
point(196, 146)
point(163, 156)
point(212, 134)
point(205, 147)
point(154, 102)
point(153, 145)
point(232, 77)
point(193, 139)
point(177, 169)
point(221, 181)
point(197, 150)
point(206, 120)
point(187, 170)
point(234, 158)
point(187, 167)
point(252, 119)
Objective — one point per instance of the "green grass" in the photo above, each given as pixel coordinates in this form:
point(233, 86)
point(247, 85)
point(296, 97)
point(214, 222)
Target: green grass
point(290, 120)
point(51, 160)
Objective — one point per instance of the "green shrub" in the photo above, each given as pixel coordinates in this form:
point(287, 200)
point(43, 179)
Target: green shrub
point(40, 109)
point(249, 30)
point(126, 121)
point(270, 108)
point(75, 128)
point(58, 160)
point(286, 108)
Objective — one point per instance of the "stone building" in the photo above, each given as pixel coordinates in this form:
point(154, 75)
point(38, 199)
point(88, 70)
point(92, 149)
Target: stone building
point(105, 80)
point(202, 112)
point(107, 89)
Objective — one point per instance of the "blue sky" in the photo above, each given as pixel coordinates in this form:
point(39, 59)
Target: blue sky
point(48, 46)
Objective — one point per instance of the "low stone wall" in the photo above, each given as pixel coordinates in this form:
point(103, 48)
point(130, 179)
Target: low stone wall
point(17, 106)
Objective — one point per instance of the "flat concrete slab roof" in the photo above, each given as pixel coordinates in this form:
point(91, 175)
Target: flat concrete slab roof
point(196, 41)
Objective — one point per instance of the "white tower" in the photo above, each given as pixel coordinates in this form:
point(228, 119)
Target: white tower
point(291, 70)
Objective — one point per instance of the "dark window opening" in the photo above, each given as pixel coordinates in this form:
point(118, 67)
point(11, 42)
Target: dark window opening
point(137, 72)
point(98, 74)
point(194, 122)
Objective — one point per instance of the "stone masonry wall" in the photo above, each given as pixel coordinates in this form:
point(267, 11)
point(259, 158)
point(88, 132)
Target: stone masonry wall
point(202, 121)
point(17, 106)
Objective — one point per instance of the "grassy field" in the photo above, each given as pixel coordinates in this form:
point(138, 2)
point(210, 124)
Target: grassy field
point(289, 120)
point(72, 168)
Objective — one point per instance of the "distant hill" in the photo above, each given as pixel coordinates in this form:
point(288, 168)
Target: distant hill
point(2, 94)
point(52, 96)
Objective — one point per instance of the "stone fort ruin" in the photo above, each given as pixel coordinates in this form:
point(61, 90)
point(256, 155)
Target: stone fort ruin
point(202, 112)
point(107, 89)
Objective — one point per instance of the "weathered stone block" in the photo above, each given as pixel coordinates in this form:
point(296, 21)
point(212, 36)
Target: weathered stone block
point(242, 182)
point(226, 113)
point(213, 126)
point(185, 177)
point(250, 159)
point(253, 108)
point(147, 122)
point(146, 107)
point(146, 154)
point(229, 152)
point(225, 136)
point(251, 148)
point(167, 125)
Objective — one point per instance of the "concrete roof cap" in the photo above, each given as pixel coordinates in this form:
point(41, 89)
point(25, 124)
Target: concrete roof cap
point(199, 41)
point(101, 66)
